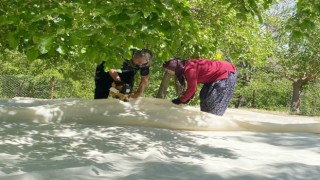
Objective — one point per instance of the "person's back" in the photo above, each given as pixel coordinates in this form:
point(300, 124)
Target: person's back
point(205, 70)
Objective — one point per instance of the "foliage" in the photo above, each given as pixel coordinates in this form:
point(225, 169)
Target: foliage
point(101, 30)
point(94, 30)
point(299, 57)
point(311, 100)
point(155, 77)
point(267, 91)
point(296, 55)
point(305, 18)
point(72, 80)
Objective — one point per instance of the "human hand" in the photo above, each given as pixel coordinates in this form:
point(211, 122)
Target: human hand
point(134, 95)
point(187, 101)
point(176, 101)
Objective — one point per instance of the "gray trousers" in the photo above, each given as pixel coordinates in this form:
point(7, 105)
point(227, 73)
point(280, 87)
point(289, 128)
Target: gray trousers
point(216, 96)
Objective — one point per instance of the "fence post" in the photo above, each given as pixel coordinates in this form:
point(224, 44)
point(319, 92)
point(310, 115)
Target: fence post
point(52, 86)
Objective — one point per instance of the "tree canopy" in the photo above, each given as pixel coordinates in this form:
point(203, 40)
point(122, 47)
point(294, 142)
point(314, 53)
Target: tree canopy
point(94, 30)
point(98, 29)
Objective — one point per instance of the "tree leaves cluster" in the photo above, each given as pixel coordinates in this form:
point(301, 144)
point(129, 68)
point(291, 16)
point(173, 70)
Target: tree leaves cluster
point(94, 30)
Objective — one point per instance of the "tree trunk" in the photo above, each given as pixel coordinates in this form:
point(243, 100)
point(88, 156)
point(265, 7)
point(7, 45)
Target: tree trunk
point(314, 106)
point(52, 87)
point(239, 101)
point(253, 99)
point(162, 92)
point(296, 96)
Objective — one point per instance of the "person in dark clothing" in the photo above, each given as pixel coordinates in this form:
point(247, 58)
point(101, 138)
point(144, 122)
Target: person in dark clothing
point(140, 62)
point(218, 78)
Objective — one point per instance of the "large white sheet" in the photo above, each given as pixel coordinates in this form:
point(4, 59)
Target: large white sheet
point(145, 139)
point(150, 112)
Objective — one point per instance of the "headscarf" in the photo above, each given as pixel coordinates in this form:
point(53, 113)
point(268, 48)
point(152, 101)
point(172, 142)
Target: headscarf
point(176, 65)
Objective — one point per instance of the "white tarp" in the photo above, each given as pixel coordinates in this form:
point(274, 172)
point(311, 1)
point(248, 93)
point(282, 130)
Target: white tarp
point(149, 139)
point(150, 112)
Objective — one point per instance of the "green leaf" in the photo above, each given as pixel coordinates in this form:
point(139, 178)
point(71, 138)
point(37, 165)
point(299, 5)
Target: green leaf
point(260, 18)
point(3, 20)
point(165, 26)
point(153, 17)
point(120, 18)
point(134, 18)
point(146, 14)
point(120, 28)
point(61, 50)
point(12, 39)
point(307, 24)
point(185, 14)
point(115, 42)
point(241, 16)
point(92, 53)
point(138, 42)
point(32, 54)
point(266, 3)
point(296, 34)
point(225, 2)
point(46, 44)
point(107, 21)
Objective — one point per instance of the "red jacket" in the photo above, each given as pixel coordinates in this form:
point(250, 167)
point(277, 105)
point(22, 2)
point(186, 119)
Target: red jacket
point(204, 71)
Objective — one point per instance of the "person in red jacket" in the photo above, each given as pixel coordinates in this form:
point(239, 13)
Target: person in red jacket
point(218, 78)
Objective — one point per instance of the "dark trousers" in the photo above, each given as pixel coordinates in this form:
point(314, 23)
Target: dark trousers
point(216, 96)
point(103, 82)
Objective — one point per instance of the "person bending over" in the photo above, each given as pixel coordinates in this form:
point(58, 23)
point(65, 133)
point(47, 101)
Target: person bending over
point(140, 61)
point(218, 79)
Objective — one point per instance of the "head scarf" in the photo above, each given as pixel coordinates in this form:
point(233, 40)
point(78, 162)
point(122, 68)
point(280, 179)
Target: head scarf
point(176, 65)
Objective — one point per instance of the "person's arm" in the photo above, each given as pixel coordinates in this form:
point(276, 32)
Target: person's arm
point(115, 76)
point(191, 76)
point(141, 87)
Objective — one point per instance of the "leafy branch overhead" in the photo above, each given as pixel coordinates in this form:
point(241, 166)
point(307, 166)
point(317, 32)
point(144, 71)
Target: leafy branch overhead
point(93, 30)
